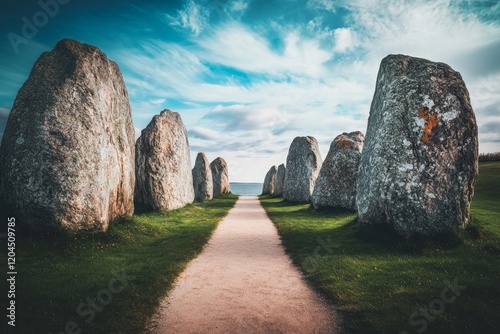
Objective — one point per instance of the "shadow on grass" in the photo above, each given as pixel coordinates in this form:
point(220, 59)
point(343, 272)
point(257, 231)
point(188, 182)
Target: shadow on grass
point(384, 237)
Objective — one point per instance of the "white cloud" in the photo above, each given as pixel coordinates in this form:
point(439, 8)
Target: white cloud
point(297, 89)
point(200, 132)
point(344, 39)
point(193, 17)
point(238, 6)
point(237, 46)
point(137, 133)
point(328, 5)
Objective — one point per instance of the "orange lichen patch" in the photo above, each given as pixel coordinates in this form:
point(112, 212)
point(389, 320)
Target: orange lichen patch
point(431, 121)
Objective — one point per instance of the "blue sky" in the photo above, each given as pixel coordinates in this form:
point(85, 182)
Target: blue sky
point(248, 76)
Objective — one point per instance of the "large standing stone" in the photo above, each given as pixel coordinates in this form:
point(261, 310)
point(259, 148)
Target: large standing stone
point(280, 180)
point(220, 176)
point(163, 165)
point(202, 179)
point(270, 181)
point(419, 162)
point(67, 155)
point(302, 168)
point(336, 182)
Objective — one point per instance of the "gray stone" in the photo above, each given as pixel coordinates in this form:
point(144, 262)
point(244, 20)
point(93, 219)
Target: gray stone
point(67, 155)
point(302, 168)
point(280, 180)
point(336, 182)
point(220, 174)
point(419, 161)
point(202, 179)
point(270, 181)
point(163, 165)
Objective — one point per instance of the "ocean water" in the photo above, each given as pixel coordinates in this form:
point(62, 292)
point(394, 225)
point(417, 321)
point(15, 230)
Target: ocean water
point(246, 189)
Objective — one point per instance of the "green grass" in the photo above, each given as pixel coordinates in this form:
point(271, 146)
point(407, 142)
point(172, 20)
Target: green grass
point(56, 275)
point(378, 280)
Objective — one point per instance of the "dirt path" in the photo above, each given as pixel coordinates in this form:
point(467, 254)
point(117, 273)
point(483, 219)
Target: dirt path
point(243, 282)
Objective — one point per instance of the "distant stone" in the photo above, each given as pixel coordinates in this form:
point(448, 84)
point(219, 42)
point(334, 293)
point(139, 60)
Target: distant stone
point(202, 179)
point(336, 183)
point(302, 168)
point(270, 181)
point(220, 175)
point(164, 180)
point(419, 162)
point(280, 180)
point(67, 155)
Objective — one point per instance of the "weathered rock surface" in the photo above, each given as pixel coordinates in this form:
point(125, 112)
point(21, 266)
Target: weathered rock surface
point(336, 182)
point(163, 165)
point(419, 161)
point(302, 168)
point(202, 179)
point(270, 181)
point(220, 175)
point(280, 180)
point(67, 155)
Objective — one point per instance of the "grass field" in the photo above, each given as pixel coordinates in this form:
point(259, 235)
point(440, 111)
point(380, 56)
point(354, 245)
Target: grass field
point(383, 284)
point(107, 283)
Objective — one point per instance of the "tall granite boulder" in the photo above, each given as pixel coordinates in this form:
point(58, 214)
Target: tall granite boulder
point(280, 180)
point(163, 164)
point(419, 161)
point(220, 175)
point(67, 155)
point(202, 179)
point(270, 181)
point(336, 182)
point(303, 164)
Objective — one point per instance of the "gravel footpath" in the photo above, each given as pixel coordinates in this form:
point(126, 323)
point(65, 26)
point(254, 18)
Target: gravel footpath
point(243, 282)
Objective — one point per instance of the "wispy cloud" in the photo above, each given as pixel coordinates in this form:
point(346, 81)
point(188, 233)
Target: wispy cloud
point(344, 39)
point(236, 45)
point(192, 16)
point(247, 78)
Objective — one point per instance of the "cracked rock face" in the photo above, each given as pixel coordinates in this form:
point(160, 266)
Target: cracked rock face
point(164, 180)
point(270, 181)
point(336, 182)
point(220, 175)
point(280, 180)
point(67, 155)
point(202, 179)
point(302, 168)
point(419, 161)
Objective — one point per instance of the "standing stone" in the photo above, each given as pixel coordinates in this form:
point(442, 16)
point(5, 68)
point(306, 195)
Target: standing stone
point(419, 163)
point(280, 180)
point(270, 181)
point(302, 168)
point(66, 159)
point(220, 176)
point(163, 165)
point(202, 179)
point(336, 183)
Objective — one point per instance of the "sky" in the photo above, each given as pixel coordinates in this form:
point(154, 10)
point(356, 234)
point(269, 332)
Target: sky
point(248, 76)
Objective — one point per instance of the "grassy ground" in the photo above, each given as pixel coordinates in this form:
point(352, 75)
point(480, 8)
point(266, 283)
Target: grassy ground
point(125, 272)
point(384, 284)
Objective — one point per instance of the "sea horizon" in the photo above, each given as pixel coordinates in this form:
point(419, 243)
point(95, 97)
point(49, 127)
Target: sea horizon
point(246, 188)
